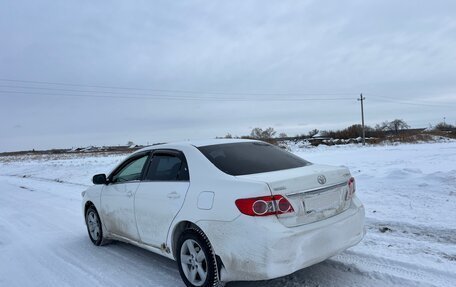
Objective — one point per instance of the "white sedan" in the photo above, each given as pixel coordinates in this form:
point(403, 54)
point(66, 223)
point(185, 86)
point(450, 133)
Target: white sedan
point(226, 210)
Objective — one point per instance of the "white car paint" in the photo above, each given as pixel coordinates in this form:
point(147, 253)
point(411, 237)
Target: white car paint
point(155, 211)
point(149, 215)
point(206, 200)
point(118, 209)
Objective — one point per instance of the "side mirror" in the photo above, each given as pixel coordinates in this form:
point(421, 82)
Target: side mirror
point(99, 179)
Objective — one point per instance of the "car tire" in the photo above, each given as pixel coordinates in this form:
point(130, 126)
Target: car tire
point(94, 226)
point(196, 260)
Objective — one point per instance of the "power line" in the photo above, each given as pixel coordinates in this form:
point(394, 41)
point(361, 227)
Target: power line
point(171, 97)
point(176, 91)
point(390, 100)
point(166, 94)
point(131, 94)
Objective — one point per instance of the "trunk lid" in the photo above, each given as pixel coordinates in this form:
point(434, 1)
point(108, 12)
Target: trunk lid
point(316, 192)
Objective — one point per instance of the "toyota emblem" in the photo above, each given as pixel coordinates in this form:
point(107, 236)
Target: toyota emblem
point(321, 179)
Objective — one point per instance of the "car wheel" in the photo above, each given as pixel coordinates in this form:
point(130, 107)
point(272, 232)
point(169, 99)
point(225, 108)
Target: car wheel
point(196, 260)
point(94, 226)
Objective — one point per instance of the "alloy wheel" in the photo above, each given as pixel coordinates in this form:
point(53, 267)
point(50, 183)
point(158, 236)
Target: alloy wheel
point(194, 262)
point(93, 223)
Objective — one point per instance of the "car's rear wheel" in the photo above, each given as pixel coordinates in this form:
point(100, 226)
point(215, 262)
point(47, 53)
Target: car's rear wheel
point(94, 226)
point(196, 260)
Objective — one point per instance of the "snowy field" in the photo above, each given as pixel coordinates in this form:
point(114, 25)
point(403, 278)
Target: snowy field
point(409, 192)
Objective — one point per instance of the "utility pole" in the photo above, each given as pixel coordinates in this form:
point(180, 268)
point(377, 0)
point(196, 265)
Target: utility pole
point(361, 99)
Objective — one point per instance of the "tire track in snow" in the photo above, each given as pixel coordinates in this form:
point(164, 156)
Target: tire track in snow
point(378, 267)
point(54, 180)
point(426, 233)
point(145, 262)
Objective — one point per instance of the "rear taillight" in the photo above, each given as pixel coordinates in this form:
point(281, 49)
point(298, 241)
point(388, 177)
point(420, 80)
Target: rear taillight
point(264, 206)
point(351, 188)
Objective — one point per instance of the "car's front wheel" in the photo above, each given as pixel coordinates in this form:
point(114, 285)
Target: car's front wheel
point(196, 260)
point(94, 226)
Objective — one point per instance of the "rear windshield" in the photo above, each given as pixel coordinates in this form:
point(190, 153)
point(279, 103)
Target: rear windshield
point(250, 157)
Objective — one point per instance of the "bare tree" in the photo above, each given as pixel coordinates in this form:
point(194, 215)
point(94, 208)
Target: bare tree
point(258, 133)
point(398, 124)
point(283, 135)
point(384, 126)
point(395, 125)
point(313, 132)
point(228, 136)
point(444, 127)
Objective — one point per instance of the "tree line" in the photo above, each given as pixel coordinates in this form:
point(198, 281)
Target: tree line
point(380, 130)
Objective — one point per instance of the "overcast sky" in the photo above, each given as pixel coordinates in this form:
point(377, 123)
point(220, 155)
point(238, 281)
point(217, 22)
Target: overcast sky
point(154, 71)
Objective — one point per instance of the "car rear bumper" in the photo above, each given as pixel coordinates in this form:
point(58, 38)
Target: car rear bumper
point(260, 248)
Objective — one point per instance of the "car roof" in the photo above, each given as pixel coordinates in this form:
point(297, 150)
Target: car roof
point(196, 143)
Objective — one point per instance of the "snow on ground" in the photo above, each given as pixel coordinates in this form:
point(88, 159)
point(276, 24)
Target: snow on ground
point(409, 192)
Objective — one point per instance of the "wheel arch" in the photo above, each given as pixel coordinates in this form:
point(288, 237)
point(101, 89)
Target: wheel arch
point(90, 203)
point(87, 205)
point(179, 229)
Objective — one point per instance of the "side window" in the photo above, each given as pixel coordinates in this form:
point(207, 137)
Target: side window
point(165, 167)
point(131, 171)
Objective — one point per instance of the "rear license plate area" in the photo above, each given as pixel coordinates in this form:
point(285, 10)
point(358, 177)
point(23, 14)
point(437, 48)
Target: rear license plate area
point(322, 202)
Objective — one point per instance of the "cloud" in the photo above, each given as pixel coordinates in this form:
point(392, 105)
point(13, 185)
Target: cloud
point(399, 54)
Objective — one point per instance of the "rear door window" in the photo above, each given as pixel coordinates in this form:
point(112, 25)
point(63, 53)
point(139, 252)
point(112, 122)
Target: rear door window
point(167, 167)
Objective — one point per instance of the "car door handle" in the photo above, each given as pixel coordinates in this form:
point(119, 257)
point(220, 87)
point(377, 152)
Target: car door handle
point(173, 195)
point(129, 193)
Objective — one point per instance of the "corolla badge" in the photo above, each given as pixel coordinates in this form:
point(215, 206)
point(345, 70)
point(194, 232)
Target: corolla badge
point(321, 179)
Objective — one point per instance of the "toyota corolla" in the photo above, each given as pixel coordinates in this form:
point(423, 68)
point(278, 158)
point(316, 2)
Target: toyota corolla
point(226, 210)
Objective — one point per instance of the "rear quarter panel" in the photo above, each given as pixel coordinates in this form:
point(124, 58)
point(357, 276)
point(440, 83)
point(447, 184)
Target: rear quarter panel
point(205, 177)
